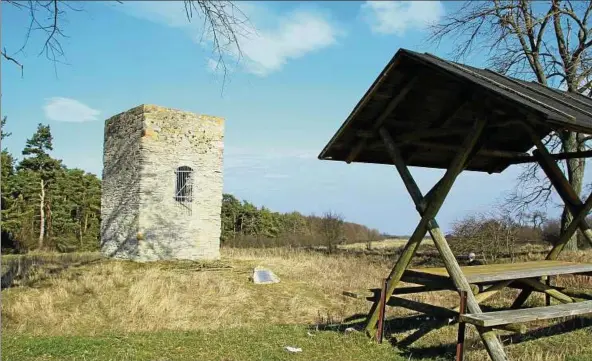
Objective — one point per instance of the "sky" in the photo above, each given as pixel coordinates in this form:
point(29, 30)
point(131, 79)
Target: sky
point(304, 67)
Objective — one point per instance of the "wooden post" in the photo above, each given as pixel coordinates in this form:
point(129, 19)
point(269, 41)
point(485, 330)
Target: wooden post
point(381, 310)
point(492, 343)
point(427, 220)
point(460, 343)
point(547, 295)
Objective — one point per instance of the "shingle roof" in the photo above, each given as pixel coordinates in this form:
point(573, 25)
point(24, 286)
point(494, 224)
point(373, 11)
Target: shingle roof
point(436, 93)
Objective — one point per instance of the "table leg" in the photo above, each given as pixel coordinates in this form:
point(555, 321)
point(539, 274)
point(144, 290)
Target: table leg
point(460, 343)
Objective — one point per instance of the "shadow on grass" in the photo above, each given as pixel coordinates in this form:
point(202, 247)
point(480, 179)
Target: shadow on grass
point(28, 270)
point(422, 325)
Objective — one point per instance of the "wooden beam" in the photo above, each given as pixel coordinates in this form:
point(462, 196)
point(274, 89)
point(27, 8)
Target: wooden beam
point(373, 293)
point(541, 287)
point(490, 292)
point(422, 307)
point(569, 197)
point(429, 133)
point(365, 134)
point(558, 156)
point(382, 117)
point(455, 148)
point(559, 182)
point(427, 222)
point(522, 297)
point(571, 229)
point(417, 236)
point(581, 293)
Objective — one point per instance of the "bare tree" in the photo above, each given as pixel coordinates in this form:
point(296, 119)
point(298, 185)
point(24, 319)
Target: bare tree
point(223, 24)
point(544, 41)
point(331, 229)
point(372, 235)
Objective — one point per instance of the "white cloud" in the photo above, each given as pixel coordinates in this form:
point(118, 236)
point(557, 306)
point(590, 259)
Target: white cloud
point(396, 17)
point(275, 40)
point(295, 35)
point(69, 110)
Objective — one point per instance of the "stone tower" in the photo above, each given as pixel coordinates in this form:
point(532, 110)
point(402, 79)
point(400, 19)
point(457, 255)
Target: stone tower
point(162, 185)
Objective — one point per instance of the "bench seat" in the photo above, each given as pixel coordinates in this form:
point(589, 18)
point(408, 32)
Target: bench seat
point(497, 318)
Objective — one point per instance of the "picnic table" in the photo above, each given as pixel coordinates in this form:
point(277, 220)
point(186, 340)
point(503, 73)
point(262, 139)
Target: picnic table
point(425, 111)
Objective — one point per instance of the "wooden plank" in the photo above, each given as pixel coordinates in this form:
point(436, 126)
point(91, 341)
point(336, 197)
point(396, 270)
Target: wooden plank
point(382, 117)
point(497, 318)
point(510, 271)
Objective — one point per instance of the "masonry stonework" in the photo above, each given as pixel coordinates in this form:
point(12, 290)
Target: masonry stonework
point(162, 185)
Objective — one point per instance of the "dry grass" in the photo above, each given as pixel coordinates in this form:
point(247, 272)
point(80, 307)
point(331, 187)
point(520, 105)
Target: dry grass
point(128, 297)
point(117, 296)
point(390, 243)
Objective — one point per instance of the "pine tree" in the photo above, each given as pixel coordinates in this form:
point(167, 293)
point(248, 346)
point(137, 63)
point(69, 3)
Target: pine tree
point(38, 161)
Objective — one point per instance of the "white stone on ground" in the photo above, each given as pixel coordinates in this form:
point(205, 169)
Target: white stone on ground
point(263, 276)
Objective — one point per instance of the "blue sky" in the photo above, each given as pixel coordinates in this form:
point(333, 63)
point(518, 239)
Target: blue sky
point(302, 73)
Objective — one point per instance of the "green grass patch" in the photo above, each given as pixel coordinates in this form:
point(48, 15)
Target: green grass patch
point(261, 343)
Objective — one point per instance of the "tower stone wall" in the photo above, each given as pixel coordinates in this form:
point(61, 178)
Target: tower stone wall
point(162, 185)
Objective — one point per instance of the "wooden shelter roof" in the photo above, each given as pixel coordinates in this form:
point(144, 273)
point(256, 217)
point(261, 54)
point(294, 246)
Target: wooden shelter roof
point(427, 104)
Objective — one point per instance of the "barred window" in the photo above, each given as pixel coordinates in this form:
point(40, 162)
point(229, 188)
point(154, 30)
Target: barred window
point(184, 184)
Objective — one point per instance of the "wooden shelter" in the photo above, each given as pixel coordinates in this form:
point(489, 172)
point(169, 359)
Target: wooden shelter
point(428, 112)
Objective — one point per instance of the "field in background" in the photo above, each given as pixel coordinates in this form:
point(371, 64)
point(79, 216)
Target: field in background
point(390, 243)
point(115, 310)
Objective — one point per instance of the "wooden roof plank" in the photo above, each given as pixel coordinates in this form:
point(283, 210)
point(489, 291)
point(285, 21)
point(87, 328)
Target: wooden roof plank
point(444, 82)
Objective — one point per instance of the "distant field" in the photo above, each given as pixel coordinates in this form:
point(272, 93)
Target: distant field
point(115, 310)
point(385, 244)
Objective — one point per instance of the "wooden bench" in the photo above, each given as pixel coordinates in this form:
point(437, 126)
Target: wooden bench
point(497, 318)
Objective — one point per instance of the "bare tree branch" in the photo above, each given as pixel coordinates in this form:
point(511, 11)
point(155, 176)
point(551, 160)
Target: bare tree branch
point(224, 25)
point(549, 43)
point(9, 58)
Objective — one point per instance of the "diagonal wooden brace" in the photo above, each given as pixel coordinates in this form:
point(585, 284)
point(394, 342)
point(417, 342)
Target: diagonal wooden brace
point(578, 210)
point(571, 229)
point(561, 184)
point(492, 343)
point(541, 287)
point(426, 222)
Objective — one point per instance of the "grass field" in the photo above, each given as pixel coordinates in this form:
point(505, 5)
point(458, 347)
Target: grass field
point(390, 243)
point(115, 310)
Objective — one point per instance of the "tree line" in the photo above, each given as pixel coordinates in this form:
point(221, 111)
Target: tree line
point(245, 225)
point(47, 206)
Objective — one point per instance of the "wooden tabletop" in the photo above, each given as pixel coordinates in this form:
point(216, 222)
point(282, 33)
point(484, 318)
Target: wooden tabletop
point(507, 271)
